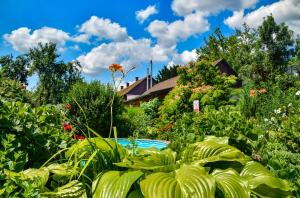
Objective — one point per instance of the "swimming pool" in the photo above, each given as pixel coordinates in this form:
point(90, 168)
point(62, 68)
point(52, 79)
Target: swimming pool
point(144, 143)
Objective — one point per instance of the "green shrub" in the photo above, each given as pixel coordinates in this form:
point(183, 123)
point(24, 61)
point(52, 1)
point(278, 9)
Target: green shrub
point(29, 136)
point(283, 163)
point(134, 122)
point(90, 106)
point(151, 108)
point(11, 90)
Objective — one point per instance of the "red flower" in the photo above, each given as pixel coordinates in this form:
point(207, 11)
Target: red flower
point(68, 106)
point(67, 127)
point(78, 137)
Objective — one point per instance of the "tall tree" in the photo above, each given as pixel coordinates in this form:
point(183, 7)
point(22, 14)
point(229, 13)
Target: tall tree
point(15, 69)
point(55, 77)
point(276, 41)
point(166, 73)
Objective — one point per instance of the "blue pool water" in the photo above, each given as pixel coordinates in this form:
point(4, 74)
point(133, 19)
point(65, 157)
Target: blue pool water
point(144, 143)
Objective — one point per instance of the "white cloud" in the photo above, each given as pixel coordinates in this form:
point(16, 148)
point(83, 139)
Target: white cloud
point(208, 7)
point(128, 53)
point(283, 11)
point(168, 34)
point(142, 15)
point(104, 29)
point(22, 39)
point(82, 38)
point(183, 58)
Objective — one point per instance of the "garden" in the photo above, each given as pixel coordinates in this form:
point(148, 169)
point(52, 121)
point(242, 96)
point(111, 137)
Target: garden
point(63, 138)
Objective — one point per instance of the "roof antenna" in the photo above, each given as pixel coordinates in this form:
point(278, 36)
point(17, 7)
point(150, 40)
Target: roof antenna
point(147, 79)
point(151, 82)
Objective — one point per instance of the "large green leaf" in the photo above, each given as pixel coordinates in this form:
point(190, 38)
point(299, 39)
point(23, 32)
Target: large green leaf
point(211, 151)
point(263, 183)
point(114, 184)
point(60, 169)
point(231, 183)
point(188, 181)
point(73, 189)
point(152, 159)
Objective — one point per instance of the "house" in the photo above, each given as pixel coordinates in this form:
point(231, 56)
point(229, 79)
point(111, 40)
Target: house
point(136, 89)
point(138, 92)
point(159, 90)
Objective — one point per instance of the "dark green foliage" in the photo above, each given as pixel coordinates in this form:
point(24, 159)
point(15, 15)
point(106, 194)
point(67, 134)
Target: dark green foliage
point(91, 107)
point(55, 77)
point(15, 69)
point(166, 73)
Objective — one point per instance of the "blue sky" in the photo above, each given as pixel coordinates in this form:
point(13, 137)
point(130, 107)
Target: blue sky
point(130, 32)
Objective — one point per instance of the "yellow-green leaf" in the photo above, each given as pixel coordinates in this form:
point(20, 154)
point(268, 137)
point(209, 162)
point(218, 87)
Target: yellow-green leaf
point(115, 184)
point(188, 181)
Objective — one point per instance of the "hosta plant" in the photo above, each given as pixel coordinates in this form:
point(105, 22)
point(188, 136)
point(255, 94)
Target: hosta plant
point(205, 169)
point(210, 168)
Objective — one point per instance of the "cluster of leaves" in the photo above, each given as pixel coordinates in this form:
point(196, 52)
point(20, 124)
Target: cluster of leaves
point(29, 136)
point(91, 107)
point(204, 169)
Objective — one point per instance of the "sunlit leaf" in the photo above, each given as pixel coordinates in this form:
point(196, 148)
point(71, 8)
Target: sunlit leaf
point(262, 182)
point(210, 151)
point(154, 160)
point(188, 181)
point(114, 184)
point(231, 183)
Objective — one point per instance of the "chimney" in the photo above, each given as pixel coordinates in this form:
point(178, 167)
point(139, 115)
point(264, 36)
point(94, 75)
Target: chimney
point(122, 87)
point(136, 78)
point(151, 83)
point(147, 79)
point(127, 84)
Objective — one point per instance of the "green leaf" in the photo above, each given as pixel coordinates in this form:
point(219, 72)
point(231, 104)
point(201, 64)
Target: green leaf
point(263, 183)
point(73, 189)
point(151, 159)
point(105, 146)
point(115, 184)
point(188, 181)
point(210, 151)
point(60, 169)
point(231, 183)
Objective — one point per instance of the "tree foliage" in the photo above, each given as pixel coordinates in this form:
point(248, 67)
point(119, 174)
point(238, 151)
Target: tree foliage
point(166, 73)
point(55, 77)
point(257, 54)
point(15, 69)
